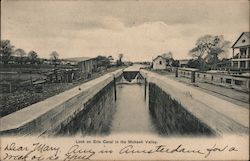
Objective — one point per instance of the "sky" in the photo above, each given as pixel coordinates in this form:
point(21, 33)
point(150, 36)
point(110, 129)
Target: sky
point(139, 29)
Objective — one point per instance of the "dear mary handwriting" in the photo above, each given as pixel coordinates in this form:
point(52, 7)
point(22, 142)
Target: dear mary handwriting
point(76, 152)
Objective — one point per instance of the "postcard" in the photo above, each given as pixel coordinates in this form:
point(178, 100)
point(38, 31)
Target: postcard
point(124, 80)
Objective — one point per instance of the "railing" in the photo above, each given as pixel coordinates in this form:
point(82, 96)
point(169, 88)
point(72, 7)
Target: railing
point(238, 82)
point(241, 56)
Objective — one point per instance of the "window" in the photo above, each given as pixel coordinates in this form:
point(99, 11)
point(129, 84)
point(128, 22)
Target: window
point(221, 80)
point(238, 82)
point(198, 75)
point(248, 52)
point(235, 64)
point(243, 64)
point(212, 78)
point(160, 62)
point(228, 81)
point(243, 52)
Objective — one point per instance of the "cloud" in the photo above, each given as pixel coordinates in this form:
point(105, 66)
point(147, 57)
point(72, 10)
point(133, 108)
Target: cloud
point(140, 30)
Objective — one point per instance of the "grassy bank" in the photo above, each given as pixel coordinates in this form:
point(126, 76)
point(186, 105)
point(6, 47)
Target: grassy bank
point(11, 102)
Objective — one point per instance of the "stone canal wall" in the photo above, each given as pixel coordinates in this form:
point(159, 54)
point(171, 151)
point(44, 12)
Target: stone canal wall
point(181, 109)
point(170, 117)
point(96, 116)
point(55, 114)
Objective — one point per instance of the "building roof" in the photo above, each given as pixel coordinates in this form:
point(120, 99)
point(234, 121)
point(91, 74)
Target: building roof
point(247, 33)
point(159, 56)
point(243, 33)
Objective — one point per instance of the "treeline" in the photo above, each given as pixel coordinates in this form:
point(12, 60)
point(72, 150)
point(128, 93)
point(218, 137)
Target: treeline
point(10, 55)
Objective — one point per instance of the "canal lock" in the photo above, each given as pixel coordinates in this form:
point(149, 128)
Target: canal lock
point(131, 104)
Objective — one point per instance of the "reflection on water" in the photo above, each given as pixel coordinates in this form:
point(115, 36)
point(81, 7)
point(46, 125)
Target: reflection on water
point(132, 113)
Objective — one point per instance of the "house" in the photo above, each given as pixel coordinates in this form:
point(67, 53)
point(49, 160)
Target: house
point(241, 52)
point(160, 63)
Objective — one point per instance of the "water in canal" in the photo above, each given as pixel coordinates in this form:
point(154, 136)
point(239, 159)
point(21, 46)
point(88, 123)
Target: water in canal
point(132, 113)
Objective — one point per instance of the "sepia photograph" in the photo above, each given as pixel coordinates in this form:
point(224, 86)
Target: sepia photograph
point(124, 80)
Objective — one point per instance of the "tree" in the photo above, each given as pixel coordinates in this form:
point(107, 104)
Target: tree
point(6, 51)
point(102, 61)
point(21, 54)
point(119, 61)
point(196, 63)
point(167, 55)
point(54, 56)
point(209, 48)
point(33, 57)
point(120, 56)
point(175, 63)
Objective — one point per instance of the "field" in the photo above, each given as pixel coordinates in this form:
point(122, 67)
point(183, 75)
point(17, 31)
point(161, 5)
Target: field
point(25, 96)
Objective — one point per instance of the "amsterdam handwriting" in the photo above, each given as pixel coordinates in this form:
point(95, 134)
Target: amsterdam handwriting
point(179, 149)
point(158, 149)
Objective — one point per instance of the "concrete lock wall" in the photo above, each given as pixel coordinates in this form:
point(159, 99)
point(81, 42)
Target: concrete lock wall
point(55, 114)
point(170, 116)
point(181, 109)
point(95, 118)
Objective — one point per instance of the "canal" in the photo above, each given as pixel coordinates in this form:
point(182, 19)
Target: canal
point(132, 113)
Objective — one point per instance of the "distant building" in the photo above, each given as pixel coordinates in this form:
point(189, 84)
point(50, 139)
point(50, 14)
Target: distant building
point(68, 62)
point(46, 61)
point(160, 63)
point(241, 52)
point(183, 62)
point(86, 65)
point(62, 75)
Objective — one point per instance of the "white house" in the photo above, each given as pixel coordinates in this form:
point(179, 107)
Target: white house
point(160, 63)
point(241, 52)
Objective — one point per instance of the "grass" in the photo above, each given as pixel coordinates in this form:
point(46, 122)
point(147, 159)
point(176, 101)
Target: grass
point(27, 96)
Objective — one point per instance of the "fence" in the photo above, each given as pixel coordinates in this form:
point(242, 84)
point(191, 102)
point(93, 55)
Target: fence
point(238, 82)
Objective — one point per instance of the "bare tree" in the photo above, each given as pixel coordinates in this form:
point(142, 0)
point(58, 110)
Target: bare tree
point(120, 56)
point(6, 51)
point(54, 56)
point(119, 61)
